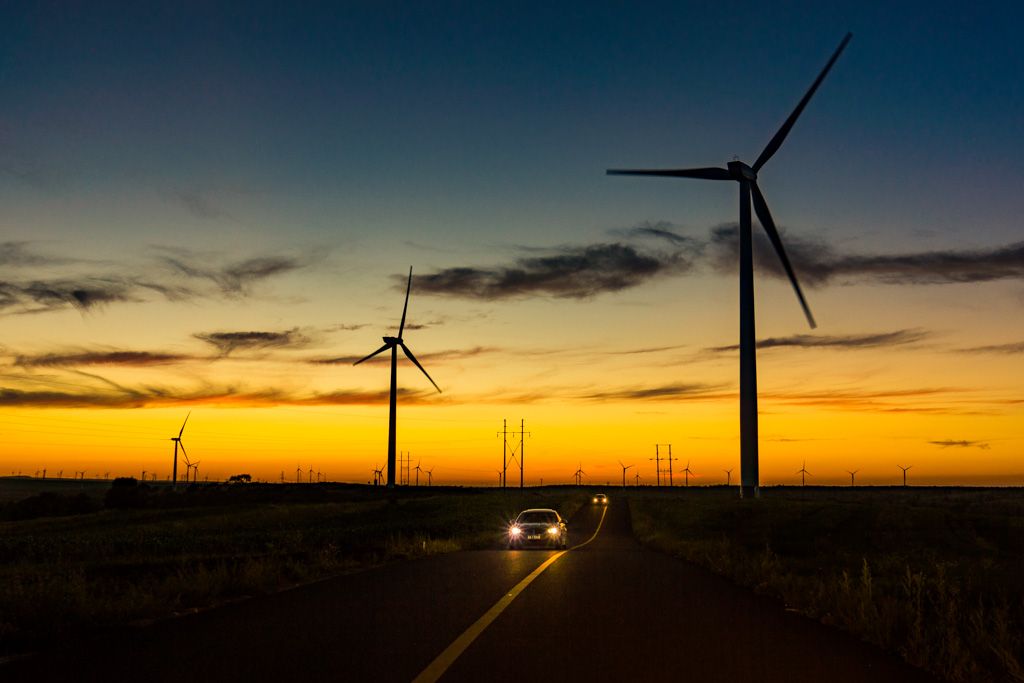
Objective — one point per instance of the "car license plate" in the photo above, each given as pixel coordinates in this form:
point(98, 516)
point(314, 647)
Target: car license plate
point(534, 537)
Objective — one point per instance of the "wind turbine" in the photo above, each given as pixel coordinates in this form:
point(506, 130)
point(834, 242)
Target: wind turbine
point(418, 469)
point(579, 475)
point(378, 475)
point(310, 474)
point(851, 475)
point(728, 476)
point(195, 470)
point(624, 468)
point(747, 178)
point(430, 476)
point(803, 474)
point(177, 442)
point(393, 343)
point(687, 472)
point(904, 473)
point(638, 478)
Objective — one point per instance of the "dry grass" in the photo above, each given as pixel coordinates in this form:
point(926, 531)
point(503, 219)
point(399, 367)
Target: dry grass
point(931, 577)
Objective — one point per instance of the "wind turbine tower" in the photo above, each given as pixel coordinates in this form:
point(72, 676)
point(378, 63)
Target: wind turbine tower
point(904, 473)
point(177, 442)
point(851, 476)
point(393, 343)
point(746, 176)
point(803, 474)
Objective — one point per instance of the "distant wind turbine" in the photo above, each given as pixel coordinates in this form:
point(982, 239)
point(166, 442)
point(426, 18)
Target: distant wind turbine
point(728, 476)
point(687, 472)
point(177, 442)
point(747, 178)
point(851, 475)
point(579, 475)
point(378, 475)
point(624, 468)
point(904, 473)
point(430, 476)
point(393, 343)
point(637, 479)
point(418, 469)
point(803, 474)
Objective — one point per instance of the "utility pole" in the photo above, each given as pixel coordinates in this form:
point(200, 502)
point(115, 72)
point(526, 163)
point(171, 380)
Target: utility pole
point(657, 464)
point(521, 447)
point(504, 451)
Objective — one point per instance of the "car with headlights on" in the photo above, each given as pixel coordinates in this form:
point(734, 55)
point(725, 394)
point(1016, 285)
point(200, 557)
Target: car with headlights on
point(600, 499)
point(537, 527)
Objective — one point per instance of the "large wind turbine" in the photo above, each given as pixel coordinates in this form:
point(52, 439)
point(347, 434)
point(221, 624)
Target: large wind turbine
point(393, 343)
point(177, 442)
point(747, 178)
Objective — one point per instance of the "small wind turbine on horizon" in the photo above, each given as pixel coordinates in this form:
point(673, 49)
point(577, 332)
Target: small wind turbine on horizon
point(851, 475)
point(747, 178)
point(430, 477)
point(177, 442)
point(378, 475)
point(904, 473)
point(624, 468)
point(579, 475)
point(728, 476)
point(687, 472)
point(393, 343)
point(418, 469)
point(803, 474)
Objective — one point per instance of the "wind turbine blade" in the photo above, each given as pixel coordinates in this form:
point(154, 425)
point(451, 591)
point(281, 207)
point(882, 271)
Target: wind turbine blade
point(183, 453)
point(417, 364)
point(401, 327)
point(383, 348)
point(776, 141)
point(183, 424)
point(710, 173)
point(765, 216)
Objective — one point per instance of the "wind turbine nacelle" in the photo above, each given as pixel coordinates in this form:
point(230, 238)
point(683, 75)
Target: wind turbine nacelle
point(740, 171)
point(392, 340)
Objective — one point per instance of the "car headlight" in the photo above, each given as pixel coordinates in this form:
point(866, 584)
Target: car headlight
point(514, 531)
point(553, 530)
point(595, 500)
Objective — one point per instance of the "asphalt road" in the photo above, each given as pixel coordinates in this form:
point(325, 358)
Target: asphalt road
point(606, 611)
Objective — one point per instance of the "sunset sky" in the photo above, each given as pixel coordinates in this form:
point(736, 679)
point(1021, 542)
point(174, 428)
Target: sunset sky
point(213, 207)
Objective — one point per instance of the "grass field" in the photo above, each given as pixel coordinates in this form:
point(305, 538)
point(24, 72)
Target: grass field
point(64, 576)
point(932, 574)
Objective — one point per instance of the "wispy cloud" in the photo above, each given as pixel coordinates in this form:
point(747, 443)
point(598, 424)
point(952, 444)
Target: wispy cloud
point(950, 443)
point(115, 358)
point(851, 341)
point(425, 358)
point(229, 342)
point(1004, 349)
point(177, 276)
point(664, 392)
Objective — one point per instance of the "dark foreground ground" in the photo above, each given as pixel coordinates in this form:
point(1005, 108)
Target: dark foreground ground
point(608, 611)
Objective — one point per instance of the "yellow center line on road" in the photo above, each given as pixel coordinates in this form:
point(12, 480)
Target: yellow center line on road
point(444, 660)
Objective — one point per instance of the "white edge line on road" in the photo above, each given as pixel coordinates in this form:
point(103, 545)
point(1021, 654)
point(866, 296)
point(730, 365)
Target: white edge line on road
point(444, 660)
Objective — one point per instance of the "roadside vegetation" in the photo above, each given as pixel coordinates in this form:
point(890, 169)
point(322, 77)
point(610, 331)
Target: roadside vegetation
point(933, 575)
point(151, 554)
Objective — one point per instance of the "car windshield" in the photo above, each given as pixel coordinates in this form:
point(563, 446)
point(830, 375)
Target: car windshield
point(536, 518)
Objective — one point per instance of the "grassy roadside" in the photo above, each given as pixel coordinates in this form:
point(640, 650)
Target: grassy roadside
point(935, 579)
point(61, 577)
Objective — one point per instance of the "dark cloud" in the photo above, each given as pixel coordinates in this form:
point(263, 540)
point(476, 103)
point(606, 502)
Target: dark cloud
point(17, 254)
point(573, 273)
point(817, 263)
point(121, 358)
point(661, 230)
point(40, 296)
point(852, 341)
point(950, 443)
point(228, 342)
